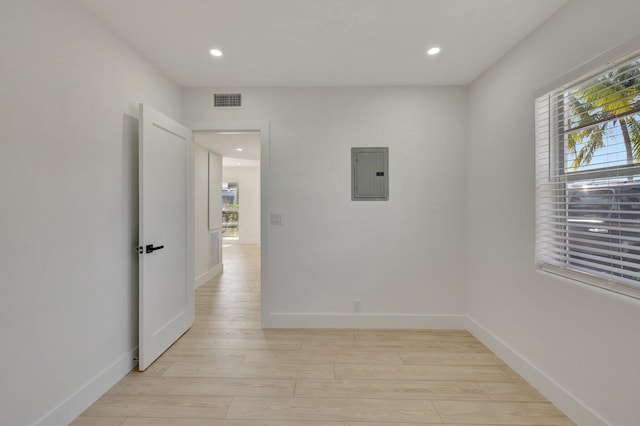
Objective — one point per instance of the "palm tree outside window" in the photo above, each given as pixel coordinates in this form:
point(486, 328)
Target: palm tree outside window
point(602, 117)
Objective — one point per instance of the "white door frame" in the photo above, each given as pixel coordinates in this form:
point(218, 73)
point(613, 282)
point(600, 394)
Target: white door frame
point(265, 186)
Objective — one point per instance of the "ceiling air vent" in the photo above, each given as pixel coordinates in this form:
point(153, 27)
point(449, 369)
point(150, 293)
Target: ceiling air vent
point(227, 100)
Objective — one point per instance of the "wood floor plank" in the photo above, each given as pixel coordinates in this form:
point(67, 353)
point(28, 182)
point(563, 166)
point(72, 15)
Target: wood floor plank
point(223, 311)
point(229, 316)
point(421, 372)
point(518, 391)
point(155, 369)
point(397, 345)
point(159, 406)
point(146, 421)
point(463, 358)
point(251, 370)
point(515, 377)
point(449, 336)
point(207, 292)
point(391, 389)
point(317, 334)
point(418, 333)
point(409, 424)
point(332, 409)
point(225, 324)
point(270, 334)
point(199, 386)
point(244, 302)
point(345, 357)
point(98, 421)
point(500, 413)
point(247, 287)
point(194, 355)
point(232, 344)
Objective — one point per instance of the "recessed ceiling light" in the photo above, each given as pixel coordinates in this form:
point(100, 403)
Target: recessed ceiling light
point(239, 149)
point(237, 164)
point(216, 52)
point(433, 51)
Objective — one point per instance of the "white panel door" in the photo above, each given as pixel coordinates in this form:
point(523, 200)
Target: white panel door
point(165, 248)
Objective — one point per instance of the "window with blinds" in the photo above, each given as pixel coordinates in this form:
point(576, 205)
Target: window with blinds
point(588, 179)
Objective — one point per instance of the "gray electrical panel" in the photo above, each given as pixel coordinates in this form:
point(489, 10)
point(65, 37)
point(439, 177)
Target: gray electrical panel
point(369, 174)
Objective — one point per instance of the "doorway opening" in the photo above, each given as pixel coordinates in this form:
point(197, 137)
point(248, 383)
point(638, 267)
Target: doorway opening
point(234, 204)
point(237, 184)
point(241, 150)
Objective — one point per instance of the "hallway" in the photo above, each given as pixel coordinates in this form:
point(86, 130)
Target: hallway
point(226, 371)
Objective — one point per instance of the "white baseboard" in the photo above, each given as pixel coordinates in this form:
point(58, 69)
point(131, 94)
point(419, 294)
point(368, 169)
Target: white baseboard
point(65, 412)
point(554, 392)
point(359, 320)
point(214, 272)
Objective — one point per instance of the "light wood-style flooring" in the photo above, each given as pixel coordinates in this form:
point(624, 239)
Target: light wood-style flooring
point(226, 371)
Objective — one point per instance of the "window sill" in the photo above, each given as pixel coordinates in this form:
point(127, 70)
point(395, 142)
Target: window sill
point(581, 278)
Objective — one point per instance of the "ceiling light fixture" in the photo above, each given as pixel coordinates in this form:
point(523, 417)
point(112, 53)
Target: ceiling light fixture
point(216, 52)
point(433, 51)
point(239, 149)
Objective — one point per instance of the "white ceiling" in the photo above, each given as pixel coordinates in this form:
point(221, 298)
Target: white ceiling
point(226, 144)
point(322, 42)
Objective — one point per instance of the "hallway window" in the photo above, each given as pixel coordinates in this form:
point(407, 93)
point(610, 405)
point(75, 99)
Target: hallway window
point(230, 210)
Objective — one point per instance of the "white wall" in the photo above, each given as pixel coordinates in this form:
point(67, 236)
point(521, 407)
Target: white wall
point(69, 94)
point(401, 257)
point(584, 339)
point(248, 179)
point(201, 211)
point(215, 191)
point(208, 175)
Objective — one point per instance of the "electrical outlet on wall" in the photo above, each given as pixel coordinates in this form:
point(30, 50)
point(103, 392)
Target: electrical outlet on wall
point(357, 305)
point(276, 219)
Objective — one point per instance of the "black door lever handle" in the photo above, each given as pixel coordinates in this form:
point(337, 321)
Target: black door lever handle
point(150, 248)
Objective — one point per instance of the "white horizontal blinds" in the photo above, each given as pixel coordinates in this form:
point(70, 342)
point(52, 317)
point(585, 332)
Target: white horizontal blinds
point(588, 176)
point(546, 231)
